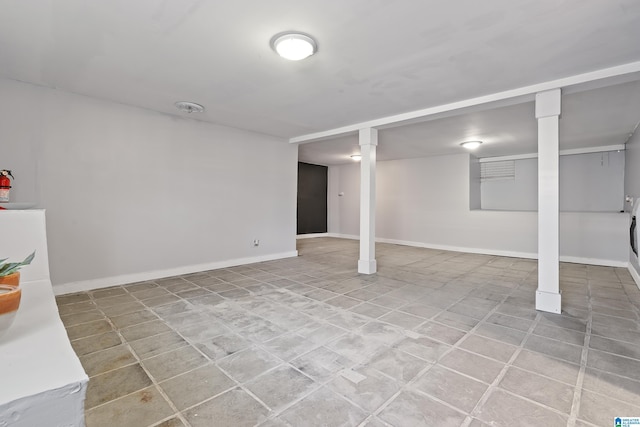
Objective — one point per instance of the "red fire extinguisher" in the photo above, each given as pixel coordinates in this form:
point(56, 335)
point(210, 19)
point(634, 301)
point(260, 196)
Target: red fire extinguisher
point(5, 184)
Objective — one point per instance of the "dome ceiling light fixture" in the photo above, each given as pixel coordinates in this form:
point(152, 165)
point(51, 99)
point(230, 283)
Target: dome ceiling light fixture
point(356, 157)
point(294, 46)
point(189, 107)
point(471, 145)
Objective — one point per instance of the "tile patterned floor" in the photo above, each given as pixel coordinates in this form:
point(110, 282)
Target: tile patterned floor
point(436, 338)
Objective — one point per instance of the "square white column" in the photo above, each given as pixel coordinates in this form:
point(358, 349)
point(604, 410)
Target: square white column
point(368, 143)
point(548, 115)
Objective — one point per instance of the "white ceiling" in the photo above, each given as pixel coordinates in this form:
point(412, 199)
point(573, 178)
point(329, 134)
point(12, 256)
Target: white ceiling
point(593, 118)
point(376, 57)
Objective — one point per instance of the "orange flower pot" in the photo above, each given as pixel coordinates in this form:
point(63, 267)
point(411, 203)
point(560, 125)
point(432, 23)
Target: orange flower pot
point(10, 294)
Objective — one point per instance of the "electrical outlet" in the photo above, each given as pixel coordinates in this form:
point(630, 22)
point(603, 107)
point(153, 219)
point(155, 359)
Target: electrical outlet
point(256, 242)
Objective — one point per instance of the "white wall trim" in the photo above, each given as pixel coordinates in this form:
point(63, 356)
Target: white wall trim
point(344, 236)
point(311, 235)
point(511, 254)
point(105, 282)
point(593, 261)
point(634, 274)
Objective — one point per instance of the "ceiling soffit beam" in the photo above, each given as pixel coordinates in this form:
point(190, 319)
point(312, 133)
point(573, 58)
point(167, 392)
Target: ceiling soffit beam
point(568, 152)
point(577, 83)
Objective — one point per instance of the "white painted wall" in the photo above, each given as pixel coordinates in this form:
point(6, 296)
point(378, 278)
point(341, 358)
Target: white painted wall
point(590, 182)
point(333, 199)
point(518, 194)
point(426, 202)
point(132, 193)
point(632, 188)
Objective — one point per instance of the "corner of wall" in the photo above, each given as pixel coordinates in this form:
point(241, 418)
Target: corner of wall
point(474, 183)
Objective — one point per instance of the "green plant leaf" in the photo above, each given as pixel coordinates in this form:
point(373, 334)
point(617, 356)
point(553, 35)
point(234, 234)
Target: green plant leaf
point(7, 268)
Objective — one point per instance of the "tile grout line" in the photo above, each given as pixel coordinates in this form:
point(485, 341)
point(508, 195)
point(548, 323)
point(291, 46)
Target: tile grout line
point(153, 380)
point(494, 384)
point(294, 275)
point(407, 386)
point(577, 394)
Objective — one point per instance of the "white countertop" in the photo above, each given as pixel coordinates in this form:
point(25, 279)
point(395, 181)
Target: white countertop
point(42, 382)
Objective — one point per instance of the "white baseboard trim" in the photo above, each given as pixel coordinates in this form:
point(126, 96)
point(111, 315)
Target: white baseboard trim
point(311, 235)
point(634, 274)
point(344, 236)
point(511, 254)
point(594, 261)
point(88, 285)
point(482, 251)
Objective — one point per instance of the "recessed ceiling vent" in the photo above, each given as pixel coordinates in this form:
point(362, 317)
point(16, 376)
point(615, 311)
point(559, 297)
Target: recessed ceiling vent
point(189, 107)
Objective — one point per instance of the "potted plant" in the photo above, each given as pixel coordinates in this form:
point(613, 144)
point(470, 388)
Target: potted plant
point(10, 291)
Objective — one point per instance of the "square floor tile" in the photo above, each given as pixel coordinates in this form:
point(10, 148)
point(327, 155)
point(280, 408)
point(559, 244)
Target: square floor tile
point(568, 336)
point(356, 347)
point(543, 390)
point(369, 390)
point(504, 409)
point(114, 384)
point(398, 364)
point(106, 360)
point(223, 346)
point(370, 310)
point(157, 344)
point(249, 363)
point(280, 386)
point(322, 363)
point(601, 410)
point(82, 317)
point(616, 347)
point(451, 387)
point(388, 334)
point(95, 343)
point(141, 408)
point(233, 408)
point(416, 410)
point(203, 331)
point(611, 385)
point(88, 329)
point(196, 386)
point(133, 318)
point(440, 332)
point(174, 363)
point(323, 408)
point(557, 349)
point(289, 346)
point(615, 364)
point(500, 333)
point(478, 367)
point(144, 330)
point(556, 369)
point(488, 347)
point(424, 348)
point(404, 320)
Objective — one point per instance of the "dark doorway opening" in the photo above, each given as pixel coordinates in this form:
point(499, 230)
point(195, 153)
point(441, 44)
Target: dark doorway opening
point(312, 198)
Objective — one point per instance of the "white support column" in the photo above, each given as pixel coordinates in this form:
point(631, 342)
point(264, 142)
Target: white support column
point(548, 114)
point(368, 143)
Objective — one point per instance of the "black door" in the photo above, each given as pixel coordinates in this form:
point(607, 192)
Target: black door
point(312, 198)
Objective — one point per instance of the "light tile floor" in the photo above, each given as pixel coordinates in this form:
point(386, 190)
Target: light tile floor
point(435, 338)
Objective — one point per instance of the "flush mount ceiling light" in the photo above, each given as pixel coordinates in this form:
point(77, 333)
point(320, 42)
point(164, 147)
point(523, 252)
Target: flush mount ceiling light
point(189, 107)
point(293, 46)
point(356, 157)
point(471, 145)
